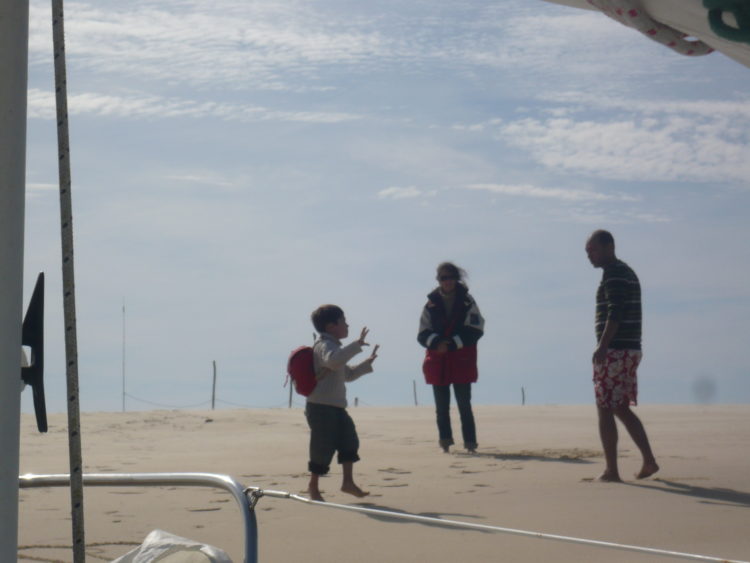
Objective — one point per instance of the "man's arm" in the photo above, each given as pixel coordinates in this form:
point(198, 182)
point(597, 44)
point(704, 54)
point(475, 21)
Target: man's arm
point(610, 329)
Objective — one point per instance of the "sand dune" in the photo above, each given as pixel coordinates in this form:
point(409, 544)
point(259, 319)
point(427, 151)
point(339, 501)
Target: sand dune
point(533, 471)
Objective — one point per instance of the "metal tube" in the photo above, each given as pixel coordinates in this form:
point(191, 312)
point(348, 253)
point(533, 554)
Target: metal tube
point(162, 479)
point(486, 528)
point(14, 39)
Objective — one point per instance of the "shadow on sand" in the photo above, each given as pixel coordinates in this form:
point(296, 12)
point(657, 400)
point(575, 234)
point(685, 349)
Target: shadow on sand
point(562, 456)
point(389, 518)
point(709, 495)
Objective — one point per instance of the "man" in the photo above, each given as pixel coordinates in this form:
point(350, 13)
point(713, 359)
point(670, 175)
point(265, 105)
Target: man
point(617, 354)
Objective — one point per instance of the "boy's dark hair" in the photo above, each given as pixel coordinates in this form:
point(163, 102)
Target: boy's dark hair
point(326, 314)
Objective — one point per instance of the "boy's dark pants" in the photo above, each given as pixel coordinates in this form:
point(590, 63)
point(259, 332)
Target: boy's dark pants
point(442, 407)
point(331, 430)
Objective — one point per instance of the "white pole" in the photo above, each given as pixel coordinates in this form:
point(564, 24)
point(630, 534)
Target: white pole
point(14, 40)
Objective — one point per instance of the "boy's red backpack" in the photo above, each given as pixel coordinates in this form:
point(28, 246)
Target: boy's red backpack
point(300, 370)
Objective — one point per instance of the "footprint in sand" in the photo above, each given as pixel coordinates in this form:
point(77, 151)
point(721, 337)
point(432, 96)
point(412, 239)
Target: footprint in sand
point(394, 470)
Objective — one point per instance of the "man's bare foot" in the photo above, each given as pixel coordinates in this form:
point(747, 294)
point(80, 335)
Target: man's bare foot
point(648, 469)
point(609, 477)
point(352, 489)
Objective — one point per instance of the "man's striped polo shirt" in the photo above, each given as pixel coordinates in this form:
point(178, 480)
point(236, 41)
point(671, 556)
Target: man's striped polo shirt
point(619, 299)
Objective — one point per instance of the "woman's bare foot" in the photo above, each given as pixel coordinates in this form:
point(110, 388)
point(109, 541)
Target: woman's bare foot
point(648, 469)
point(352, 489)
point(609, 477)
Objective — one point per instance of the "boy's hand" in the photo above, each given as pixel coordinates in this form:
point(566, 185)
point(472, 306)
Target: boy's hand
point(374, 353)
point(362, 337)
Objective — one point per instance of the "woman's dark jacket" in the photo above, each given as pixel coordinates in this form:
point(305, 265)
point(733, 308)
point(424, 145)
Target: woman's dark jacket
point(462, 328)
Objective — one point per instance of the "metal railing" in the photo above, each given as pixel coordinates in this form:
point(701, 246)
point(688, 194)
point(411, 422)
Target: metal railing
point(161, 480)
point(247, 498)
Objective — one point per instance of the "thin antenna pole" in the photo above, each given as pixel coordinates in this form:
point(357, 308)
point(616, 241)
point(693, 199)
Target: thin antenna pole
point(69, 303)
point(213, 392)
point(123, 355)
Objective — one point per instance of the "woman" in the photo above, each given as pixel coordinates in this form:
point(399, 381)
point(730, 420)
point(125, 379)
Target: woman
point(449, 328)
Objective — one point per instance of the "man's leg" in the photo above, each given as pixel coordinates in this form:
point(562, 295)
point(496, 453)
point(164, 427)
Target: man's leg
point(636, 430)
point(608, 435)
point(468, 427)
point(442, 409)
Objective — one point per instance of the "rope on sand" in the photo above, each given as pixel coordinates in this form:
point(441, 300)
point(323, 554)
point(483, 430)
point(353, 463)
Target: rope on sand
point(255, 493)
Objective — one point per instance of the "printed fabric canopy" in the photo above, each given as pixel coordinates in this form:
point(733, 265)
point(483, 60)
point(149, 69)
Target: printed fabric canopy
point(690, 27)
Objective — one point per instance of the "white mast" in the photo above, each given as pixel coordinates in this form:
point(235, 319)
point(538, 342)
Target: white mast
point(14, 41)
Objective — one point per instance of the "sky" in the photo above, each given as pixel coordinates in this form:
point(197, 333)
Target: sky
point(236, 164)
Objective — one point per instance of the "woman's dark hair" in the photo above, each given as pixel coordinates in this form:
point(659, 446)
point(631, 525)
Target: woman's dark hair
point(452, 270)
point(326, 314)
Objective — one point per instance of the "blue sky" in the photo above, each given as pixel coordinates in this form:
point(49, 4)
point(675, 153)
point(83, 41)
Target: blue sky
point(236, 164)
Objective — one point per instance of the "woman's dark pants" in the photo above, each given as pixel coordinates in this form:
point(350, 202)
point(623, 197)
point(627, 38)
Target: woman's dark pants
point(442, 407)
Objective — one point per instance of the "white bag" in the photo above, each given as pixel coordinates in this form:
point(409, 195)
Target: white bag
point(164, 547)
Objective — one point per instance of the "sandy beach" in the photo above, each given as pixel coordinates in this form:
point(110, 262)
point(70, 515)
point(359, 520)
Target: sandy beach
point(533, 471)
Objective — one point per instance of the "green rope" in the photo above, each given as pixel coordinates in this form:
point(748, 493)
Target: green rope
point(741, 11)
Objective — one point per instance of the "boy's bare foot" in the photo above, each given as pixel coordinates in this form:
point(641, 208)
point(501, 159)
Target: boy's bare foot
point(648, 469)
point(609, 477)
point(352, 489)
point(315, 495)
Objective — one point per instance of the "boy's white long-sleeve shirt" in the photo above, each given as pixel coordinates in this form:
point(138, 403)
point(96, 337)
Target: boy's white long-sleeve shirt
point(330, 361)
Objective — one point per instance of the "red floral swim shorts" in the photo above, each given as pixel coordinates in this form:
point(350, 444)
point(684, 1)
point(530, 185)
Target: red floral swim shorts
point(615, 379)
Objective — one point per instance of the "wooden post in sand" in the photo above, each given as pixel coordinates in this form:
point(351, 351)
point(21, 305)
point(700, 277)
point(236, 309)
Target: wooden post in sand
point(14, 40)
point(414, 381)
point(213, 391)
point(523, 396)
point(123, 355)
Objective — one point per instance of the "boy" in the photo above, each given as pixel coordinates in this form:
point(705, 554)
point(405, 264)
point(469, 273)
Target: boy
point(331, 427)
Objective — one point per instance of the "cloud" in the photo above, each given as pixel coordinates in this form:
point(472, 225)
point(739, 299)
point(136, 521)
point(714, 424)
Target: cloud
point(563, 194)
point(577, 100)
point(41, 105)
point(209, 179)
point(400, 193)
point(236, 44)
point(655, 148)
point(295, 45)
